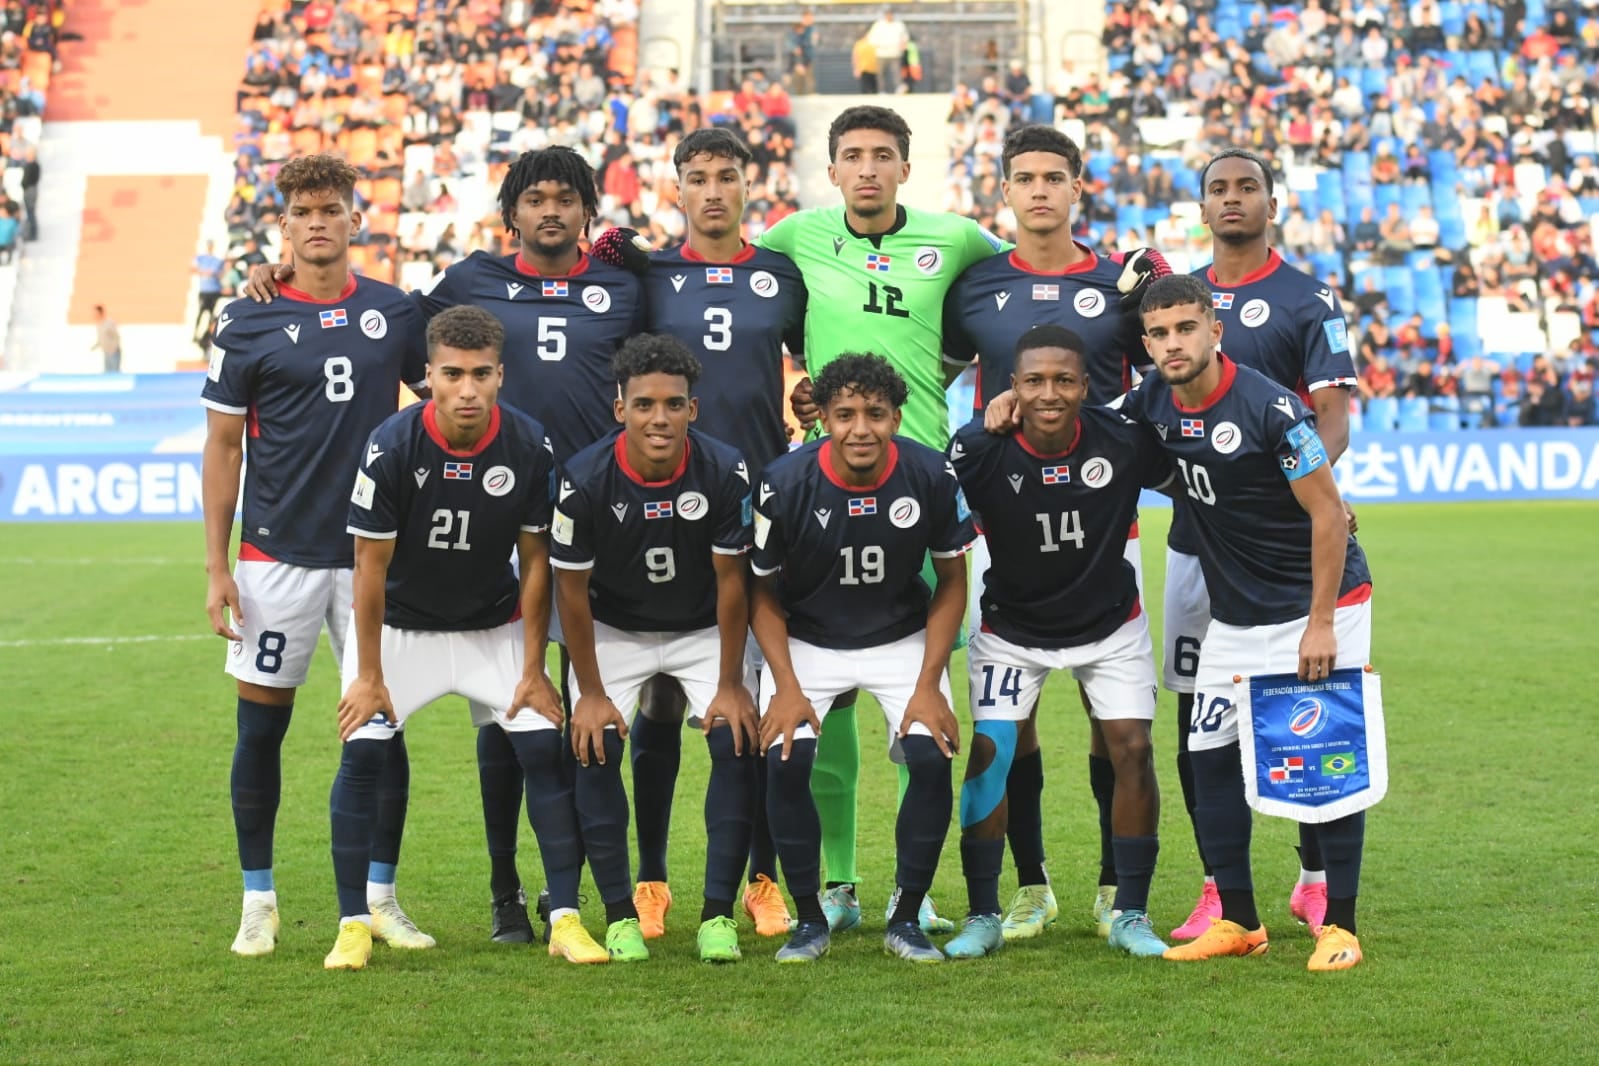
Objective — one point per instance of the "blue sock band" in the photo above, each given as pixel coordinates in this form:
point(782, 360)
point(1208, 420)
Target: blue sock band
point(258, 880)
point(981, 794)
point(380, 873)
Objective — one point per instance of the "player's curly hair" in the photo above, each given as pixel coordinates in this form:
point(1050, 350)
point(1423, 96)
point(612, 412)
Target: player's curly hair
point(1175, 290)
point(1237, 153)
point(1049, 336)
point(466, 329)
point(714, 141)
point(862, 373)
point(654, 353)
point(556, 163)
point(317, 173)
point(869, 117)
point(1039, 138)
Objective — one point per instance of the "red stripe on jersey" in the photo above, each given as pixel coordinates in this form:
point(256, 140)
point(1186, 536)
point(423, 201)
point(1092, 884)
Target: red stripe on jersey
point(1138, 609)
point(824, 456)
point(249, 553)
point(524, 267)
point(1356, 596)
point(745, 254)
point(638, 478)
point(1229, 371)
point(1132, 531)
point(430, 423)
point(1082, 266)
point(252, 421)
point(1077, 435)
point(1273, 261)
point(292, 293)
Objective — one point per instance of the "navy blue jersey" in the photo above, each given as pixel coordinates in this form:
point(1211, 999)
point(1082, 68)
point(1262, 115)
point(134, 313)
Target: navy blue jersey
point(1057, 526)
point(650, 543)
point(735, 317)
point(851, 558)
point(997, 300)
point(560, 335)
point(312, 379)
point(1288, 326)
point(1236, 455)
point(454, 515)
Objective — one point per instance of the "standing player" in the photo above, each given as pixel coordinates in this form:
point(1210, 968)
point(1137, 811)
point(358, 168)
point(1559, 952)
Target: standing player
point(444, 492)
point(649, 534)
point(1056, 499)
point(877, 273)
point(1050, 279)
point(304, 381)
point(839, 603)
point(1289, 587)
point(1289, 327)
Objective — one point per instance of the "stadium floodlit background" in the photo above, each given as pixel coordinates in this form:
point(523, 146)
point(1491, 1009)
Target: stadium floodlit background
point(1436, 167)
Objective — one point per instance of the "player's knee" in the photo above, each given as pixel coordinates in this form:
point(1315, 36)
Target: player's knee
point(264, 694)
point(1218, 775)
point(363, 758)
point(1027, 733)
point(538, 751)
point(1130, 746)
point(793, 772)
point(719, 741)
point(982, 793)
point(922, 755)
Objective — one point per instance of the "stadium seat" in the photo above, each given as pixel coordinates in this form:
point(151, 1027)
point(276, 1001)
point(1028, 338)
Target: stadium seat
point(1443, 415)
point(1373, 81)
point(1452, 232)
point(1471, 418)
point(1384, 196)
point(1357, 419)
point(1041, 109)
point(1413, 414)
point(1414, 195)
point(1382, 413)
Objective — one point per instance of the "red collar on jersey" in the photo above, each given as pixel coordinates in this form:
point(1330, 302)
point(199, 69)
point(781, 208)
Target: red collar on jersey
point(1082, 266)
point(1077, 436)
point(430, 423)
point(524, 267)
point(745, 254)
point(824, 456)
point(1273, 261)
point(638, 478)
point(291, 293)
point(1229, 371)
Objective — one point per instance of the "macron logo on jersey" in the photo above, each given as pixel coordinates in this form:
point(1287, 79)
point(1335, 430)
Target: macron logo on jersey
point(1221, 301)
point(293, 332)
point(554, 288)
point(877, 262)
point(718, 275)
point(457, 471)
point(862, 505)
point(1057, 475)
point(658, 509)
point(1046, 292)
point(511, 289)
point(1192, 427)
point(1289, 769)
point(223, 322)
point(334, 318)
point(677, 282)
point(1001, 299)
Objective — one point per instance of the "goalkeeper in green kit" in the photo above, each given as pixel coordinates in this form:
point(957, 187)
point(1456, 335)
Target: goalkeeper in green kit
point(877, 273)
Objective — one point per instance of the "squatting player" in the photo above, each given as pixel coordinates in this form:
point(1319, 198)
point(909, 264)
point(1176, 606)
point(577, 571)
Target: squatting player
point(303, 382)
point(443, 493)
point(1049, 279)
point(839, 603)
point(650, 533)
point(1055, 499)
point(1289, 591)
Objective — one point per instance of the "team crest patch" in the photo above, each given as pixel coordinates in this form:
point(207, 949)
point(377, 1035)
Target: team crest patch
point(1090, 303)
point(929, 259)
point(1255, 313)
point(763, 284)
point(904, 512)
point(1097, 472)
point(597, 299)
point(1225, 437)
point(374, 325)
point(693, 506)
point(499, 480)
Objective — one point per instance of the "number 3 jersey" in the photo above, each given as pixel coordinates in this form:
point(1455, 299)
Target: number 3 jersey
point(650, 543)
point(1236, 455)
point(1056, 526)
point(851, 557)
point(454, 516)
point(312, 379)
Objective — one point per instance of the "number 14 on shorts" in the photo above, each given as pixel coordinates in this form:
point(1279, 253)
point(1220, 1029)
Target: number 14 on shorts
point(1009, 685)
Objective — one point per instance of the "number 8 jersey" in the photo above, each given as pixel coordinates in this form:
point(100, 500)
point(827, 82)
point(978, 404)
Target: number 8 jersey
point(312, 379)
point(851, 557)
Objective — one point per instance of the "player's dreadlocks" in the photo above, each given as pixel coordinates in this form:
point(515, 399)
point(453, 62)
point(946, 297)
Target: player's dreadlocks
point(714, 141)
point(317, 173)
point(863, 374)
point(1237, 153)
point(1175, 290)
point(1039, 138)
point(466, 329)
point(654, 353)
point(556, 163)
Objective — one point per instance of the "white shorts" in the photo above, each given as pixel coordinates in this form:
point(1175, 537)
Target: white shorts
point(981, 560)
point(285, 608)
point(420, 666)
point(1184, 622)
point(627, 660)
point(1247, 651)
point(1118, 673)
point(482, 713)
point(887, 672)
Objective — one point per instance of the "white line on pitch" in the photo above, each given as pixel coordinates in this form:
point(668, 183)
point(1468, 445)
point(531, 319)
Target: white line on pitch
point(104, 560)
point(47, 642)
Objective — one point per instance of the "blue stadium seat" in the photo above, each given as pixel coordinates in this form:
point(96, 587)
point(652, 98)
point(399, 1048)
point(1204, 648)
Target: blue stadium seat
point(1041, 109)
point(1383, 196)
point(1537, 14)
point(1401, 291)
point(1524, 362)
point(1328, 263)
point(1590, 205)
point(1443, 414)
point(1373, 81)
point(1467, 345)
point(1184, 181)
point(1129, 216)
point(1445, 198)
point(1432, 313)
point(1471, 418)
point(1357, 161)
point(1413, 414)
point(1228, 27)
point(1357, 418)
point(1413, 195)
point(1119, 60)
point(1480, 65)
point(1382, 413)
point(1309, 202)
point(1349, 74)
point(1452, 232)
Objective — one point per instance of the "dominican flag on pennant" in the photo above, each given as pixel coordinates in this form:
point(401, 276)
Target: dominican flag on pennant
point(1221, 301)
point(718, 275)
point(1193, 427)
point(862, 505)
point(1046, 292)
point(658, 509)
point(1289, 769)
point(457, 471)
point(554, 288)
point(335, 317)
point(1057, 475)
point(877, 262)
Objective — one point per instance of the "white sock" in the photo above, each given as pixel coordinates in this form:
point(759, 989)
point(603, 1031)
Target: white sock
point(364, 919)
point(269, 897)
point(1210, 880)
point(1312, 877)
point(376, 892)
point(561, 912)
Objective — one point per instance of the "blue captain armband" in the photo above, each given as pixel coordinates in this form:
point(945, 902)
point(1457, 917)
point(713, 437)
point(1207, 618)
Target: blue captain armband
point(1305, 452)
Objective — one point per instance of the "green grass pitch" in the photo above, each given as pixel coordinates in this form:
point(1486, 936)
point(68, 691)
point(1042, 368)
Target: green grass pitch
point(119, 889)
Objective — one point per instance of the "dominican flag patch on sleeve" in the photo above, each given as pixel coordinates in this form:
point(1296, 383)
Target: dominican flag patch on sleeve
point(333, 318)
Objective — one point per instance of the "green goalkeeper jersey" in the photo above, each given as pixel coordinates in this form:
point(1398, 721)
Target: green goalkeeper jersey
point(885, 294)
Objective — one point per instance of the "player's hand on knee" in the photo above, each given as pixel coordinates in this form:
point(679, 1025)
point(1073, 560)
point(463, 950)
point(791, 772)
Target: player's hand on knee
point(590, 718)
point(929, 708)
point(363, 701)
point(802, 402)
point(1000, 416)
point(1318, 651)
point(262, 287)
point(537, 693)
point(1349, 513)
point(788, 711)
point(734, 706)
point(222, 593)
point(623, 247)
